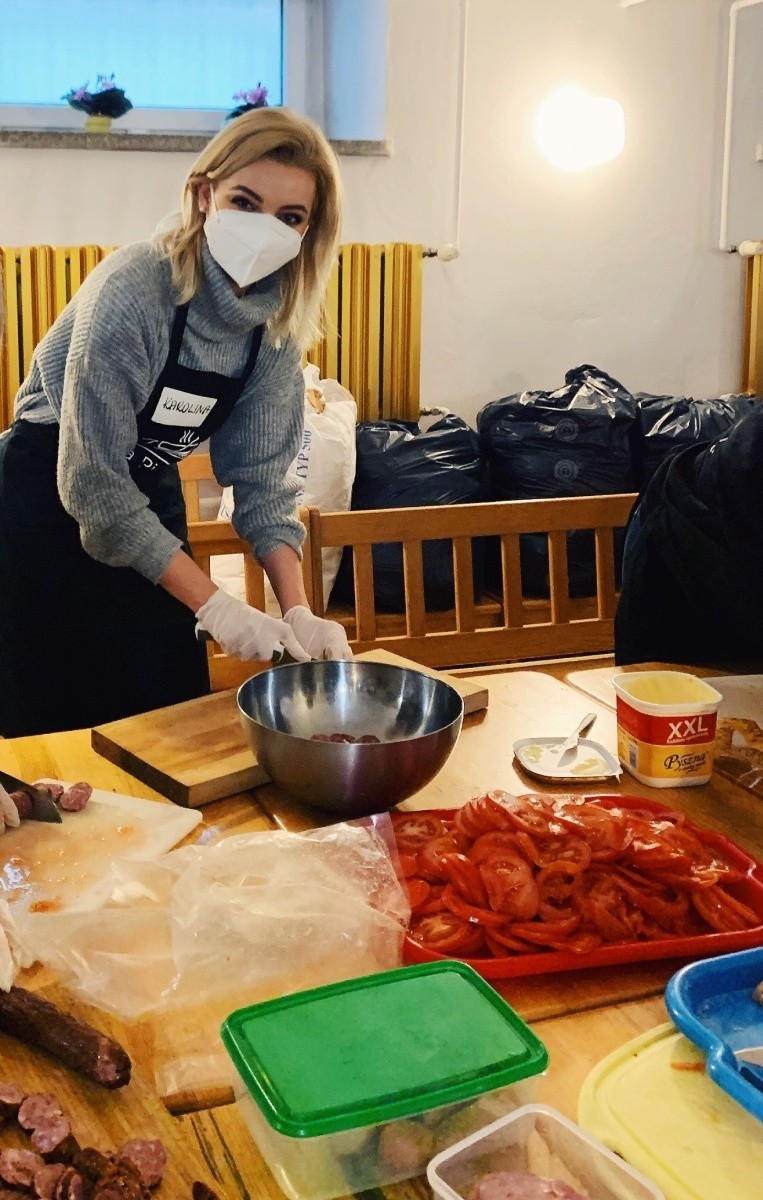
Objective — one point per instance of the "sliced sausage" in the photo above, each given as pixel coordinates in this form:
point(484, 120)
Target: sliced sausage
point(54, 1140)
point(520, 1185)
point(23, 802)
point(93, 1164)
point(18, 1167)
point(39, 1108)
point(11, 1098)
point(149, 1158)
point(76, 797)
point(200, 1191)
point(46, 1179)
point(56, 790)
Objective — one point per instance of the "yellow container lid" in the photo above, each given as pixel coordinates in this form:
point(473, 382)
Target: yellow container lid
point(651, 1102)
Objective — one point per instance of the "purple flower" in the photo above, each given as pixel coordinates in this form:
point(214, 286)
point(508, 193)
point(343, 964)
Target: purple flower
point(105, 83)
point(256, 97)
point(80, 93)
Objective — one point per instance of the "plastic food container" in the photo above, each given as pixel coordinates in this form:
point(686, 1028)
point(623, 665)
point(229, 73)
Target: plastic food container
point(712, 1003)
point(666, 727)
point(591, 762)
point(538, 1140)
point(356, 1085)
point(652, 1102)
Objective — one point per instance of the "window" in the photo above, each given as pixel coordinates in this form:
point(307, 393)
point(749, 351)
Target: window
point(179, 61)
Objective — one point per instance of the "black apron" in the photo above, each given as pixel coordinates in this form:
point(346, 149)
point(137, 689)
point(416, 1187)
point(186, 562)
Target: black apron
point(693, 566)
point(82, 643)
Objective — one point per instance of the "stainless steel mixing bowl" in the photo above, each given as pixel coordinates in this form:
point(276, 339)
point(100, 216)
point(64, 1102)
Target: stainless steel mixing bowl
point(416, 717)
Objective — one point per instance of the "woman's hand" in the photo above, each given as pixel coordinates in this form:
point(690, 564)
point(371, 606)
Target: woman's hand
point(247, 633)
point(320, 638)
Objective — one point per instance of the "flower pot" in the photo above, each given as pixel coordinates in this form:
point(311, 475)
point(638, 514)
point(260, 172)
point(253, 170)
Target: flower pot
point(95, 123)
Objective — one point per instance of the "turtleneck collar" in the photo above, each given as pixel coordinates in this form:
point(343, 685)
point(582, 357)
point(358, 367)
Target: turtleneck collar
point(216, 309)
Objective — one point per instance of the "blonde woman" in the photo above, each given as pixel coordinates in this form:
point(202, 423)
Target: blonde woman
point(195, 336)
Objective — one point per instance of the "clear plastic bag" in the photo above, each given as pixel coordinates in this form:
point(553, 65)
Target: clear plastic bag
point(208, 928)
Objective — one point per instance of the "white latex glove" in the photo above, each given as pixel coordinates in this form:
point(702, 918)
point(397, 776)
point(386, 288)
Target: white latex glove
point(9, 814)
point(245, 632)
point(320, 638)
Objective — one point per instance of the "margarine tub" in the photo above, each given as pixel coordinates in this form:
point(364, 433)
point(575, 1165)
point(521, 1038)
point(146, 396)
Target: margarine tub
point(666, 727)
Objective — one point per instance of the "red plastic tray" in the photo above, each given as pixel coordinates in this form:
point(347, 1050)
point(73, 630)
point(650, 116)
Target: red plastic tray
point(748, 890)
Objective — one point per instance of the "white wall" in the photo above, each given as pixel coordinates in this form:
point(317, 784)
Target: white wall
point(616, 266)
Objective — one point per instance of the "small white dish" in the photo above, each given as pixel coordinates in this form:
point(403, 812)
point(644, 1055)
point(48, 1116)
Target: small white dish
point(591, 762)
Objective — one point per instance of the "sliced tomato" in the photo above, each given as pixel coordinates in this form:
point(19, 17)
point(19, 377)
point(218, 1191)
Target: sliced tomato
point(418, 893)
point(483, 814)
point(471, 912)
point(465, 878)
point(503, 938)
point(434, 902)
point(413, 829)
point(488, 843)
point(545, 933)
point(722, 911)
point(431, 858)
point(606, 832)
point(567, 848)
point(408, 864)
point(446, 933)
point(511, 888)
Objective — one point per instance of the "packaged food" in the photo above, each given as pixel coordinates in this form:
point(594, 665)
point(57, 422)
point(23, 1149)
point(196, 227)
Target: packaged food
point(666, 727)
point(356, 1085)
point(535, 1143)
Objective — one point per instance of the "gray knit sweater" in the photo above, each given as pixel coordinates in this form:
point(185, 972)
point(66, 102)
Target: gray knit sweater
point(95, 370)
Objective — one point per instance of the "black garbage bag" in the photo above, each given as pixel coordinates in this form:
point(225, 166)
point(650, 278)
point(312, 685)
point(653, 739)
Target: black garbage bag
point(667, 424)
point(401, 466)
point(575, 441)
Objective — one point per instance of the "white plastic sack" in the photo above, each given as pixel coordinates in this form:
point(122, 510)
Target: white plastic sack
point(325, 467)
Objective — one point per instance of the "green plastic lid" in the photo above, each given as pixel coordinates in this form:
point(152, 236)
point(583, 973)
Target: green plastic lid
point(374, 1049)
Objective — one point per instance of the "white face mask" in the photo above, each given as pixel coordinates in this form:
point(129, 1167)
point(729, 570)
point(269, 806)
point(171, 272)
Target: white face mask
point(249, 246)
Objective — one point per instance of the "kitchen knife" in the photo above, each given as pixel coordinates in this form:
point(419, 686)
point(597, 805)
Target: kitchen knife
point(44, 807)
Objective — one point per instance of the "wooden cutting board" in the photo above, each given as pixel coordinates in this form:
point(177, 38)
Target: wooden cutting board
point(196, 752)
point(100, 1118)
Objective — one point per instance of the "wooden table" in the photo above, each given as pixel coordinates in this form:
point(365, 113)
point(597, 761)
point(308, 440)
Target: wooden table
point(580, 1015)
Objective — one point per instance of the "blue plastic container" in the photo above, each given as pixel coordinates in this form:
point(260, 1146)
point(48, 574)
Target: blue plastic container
point(712, 1003)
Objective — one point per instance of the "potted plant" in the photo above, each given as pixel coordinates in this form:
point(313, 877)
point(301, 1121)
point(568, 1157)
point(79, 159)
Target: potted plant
point(253, 98)
point(103, 105)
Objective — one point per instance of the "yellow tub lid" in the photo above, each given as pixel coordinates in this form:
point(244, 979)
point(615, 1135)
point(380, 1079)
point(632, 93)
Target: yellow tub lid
point(651, 1102)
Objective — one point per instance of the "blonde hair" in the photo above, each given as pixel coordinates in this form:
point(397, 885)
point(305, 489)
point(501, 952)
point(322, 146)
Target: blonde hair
point(282, 135)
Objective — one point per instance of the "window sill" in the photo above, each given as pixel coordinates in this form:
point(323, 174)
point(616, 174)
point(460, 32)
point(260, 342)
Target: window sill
point(161, 141)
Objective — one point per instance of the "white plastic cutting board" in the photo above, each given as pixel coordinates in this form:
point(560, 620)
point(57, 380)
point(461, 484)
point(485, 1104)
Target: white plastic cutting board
point(742, 696)
point(66, 867)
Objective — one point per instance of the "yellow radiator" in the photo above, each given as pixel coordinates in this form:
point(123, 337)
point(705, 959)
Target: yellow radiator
point(373, 336)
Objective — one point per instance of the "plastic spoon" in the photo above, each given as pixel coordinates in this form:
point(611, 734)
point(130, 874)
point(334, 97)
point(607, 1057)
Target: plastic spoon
point(569, 745)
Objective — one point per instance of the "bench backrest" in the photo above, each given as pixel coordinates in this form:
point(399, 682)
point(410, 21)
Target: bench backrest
point(505, 627)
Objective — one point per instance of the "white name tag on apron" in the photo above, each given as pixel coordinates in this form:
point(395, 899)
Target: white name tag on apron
point(182, 408)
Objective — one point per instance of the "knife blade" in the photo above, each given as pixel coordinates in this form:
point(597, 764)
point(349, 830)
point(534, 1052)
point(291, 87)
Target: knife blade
point(44, 807)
